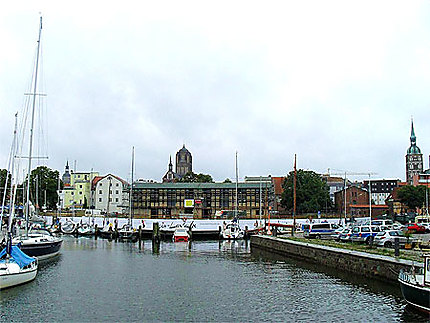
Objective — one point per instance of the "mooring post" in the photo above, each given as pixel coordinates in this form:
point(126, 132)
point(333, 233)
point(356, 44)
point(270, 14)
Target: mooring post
point(140, 233)
point(96, 231)
point(156, 232)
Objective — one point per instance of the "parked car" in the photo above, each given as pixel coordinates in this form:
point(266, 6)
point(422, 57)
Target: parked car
point(386, 239)
point(336, 234)
point(363, 233)
point(346, 235)
point(385, 223)
point(414, 227)
point(319, 230)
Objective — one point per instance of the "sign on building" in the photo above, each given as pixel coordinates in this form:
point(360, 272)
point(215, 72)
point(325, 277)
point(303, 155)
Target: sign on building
point(188, 203)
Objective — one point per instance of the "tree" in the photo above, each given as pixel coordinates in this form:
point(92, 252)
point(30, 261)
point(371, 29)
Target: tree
point(191, 177)
point(312, 193)
point(227, 180)
point(4, 174)
point(412, 196)
point(47, 181)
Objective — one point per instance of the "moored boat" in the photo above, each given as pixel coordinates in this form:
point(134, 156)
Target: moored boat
point(415, 286)
point(39, 243)
point(181, 234)
point(16, 268)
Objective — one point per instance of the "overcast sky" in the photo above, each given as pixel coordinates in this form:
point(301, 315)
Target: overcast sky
point(335, 82)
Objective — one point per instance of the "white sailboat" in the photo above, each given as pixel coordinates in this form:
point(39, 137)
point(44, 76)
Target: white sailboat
point(232, 230)
point(127, 232)
point(36, 244)
point(16, 268)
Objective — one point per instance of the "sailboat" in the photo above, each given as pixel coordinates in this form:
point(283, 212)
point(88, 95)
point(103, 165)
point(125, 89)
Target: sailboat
point(232, 230)
point(36, 244)
point(127, 232)
point(16, 267)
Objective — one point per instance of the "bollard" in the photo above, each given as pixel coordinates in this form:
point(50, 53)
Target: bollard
point(219, 233)
point(396, 247)
point(96, 231)
point(155, 232)
point(140, 233)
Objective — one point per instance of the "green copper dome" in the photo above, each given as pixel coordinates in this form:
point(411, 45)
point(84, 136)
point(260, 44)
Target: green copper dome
point(413, 149)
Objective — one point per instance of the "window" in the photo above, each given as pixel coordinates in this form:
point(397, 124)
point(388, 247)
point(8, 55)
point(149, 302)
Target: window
point(117, 184)
point(80, 193)
point(80, 186)
point(100, 199)
point(116, 200)
point(116, 192)
point(100, 192)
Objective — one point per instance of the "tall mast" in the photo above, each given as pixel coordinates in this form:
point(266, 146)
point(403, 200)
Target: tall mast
point(27, 207)
point(10, 170)
point(294, 195)
point(237, 202)
point(131, 188)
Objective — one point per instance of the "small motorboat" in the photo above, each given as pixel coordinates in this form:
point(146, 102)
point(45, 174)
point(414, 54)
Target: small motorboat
point(16, 267)
point(69, 227)
point(232, 231)
point(415, 285)
point(181, 234)
point(85, 229)
point(126, 232)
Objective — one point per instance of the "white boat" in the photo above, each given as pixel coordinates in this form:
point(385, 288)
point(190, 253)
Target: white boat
point(69, 227)
point(415, 286)
point(127, 232)
point(181, 234)
point(232, 231)
point(85, 229)
point(16, 268)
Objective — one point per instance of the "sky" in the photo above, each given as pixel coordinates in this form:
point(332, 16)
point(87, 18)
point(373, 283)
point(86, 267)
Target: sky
point(335, 82)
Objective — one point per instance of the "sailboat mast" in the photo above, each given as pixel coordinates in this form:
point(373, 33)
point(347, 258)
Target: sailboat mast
point(294, 194)
point(237, 201)
point(131, 188)
point(27, 208)
point(10, 170)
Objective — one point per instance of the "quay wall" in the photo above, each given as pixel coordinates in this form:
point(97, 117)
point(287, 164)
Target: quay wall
point(370, 265)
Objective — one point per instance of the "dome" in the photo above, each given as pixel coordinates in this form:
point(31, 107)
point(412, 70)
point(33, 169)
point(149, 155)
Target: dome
point(413, 149)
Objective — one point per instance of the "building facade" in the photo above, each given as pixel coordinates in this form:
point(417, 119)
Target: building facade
point(110, 194)
point(380, 189)
point(199, 200)
point(414, 159)
point(76, 193)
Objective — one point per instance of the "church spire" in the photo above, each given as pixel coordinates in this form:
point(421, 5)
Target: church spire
point(413, 137)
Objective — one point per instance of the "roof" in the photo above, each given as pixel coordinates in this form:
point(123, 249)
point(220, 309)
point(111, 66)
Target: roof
point(97, 179)
point(140, 185)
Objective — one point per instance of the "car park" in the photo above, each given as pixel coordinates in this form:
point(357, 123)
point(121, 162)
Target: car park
point(387, 239)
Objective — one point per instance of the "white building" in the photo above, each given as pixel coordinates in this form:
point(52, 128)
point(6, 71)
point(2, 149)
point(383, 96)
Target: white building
point(108, 194)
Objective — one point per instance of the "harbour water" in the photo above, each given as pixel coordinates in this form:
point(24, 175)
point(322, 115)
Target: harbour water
point(108, 281)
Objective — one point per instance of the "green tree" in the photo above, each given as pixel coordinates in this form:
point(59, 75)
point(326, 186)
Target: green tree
point(191, 177)
point(312, 193)
point(227, 180)
point(3, 176)
point(412, 196)
point(46, 180)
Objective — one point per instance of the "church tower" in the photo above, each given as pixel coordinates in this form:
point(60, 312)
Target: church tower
point(414, 158)
point(184, 162)
point(66, 175)
point(170, 176)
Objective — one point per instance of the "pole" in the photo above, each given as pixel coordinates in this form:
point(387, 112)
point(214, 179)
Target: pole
point(344, 199)
point(237, 202)
point(370, 202)
point(27, 208)
point(131, 187)
point(260, 201)
point(294, 195)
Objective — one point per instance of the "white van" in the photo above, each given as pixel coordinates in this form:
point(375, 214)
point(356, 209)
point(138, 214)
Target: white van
point(319, 230)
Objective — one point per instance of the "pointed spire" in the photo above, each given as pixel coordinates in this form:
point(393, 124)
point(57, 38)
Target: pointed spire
point(170, 163)
point(413, 137)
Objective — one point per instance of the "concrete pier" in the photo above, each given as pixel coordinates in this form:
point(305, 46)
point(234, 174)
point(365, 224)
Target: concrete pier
point(370, 265)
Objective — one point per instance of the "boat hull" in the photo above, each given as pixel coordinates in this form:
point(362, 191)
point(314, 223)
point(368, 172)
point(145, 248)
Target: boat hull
point(42, 250)
point(15, 279)
point(417, 296)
